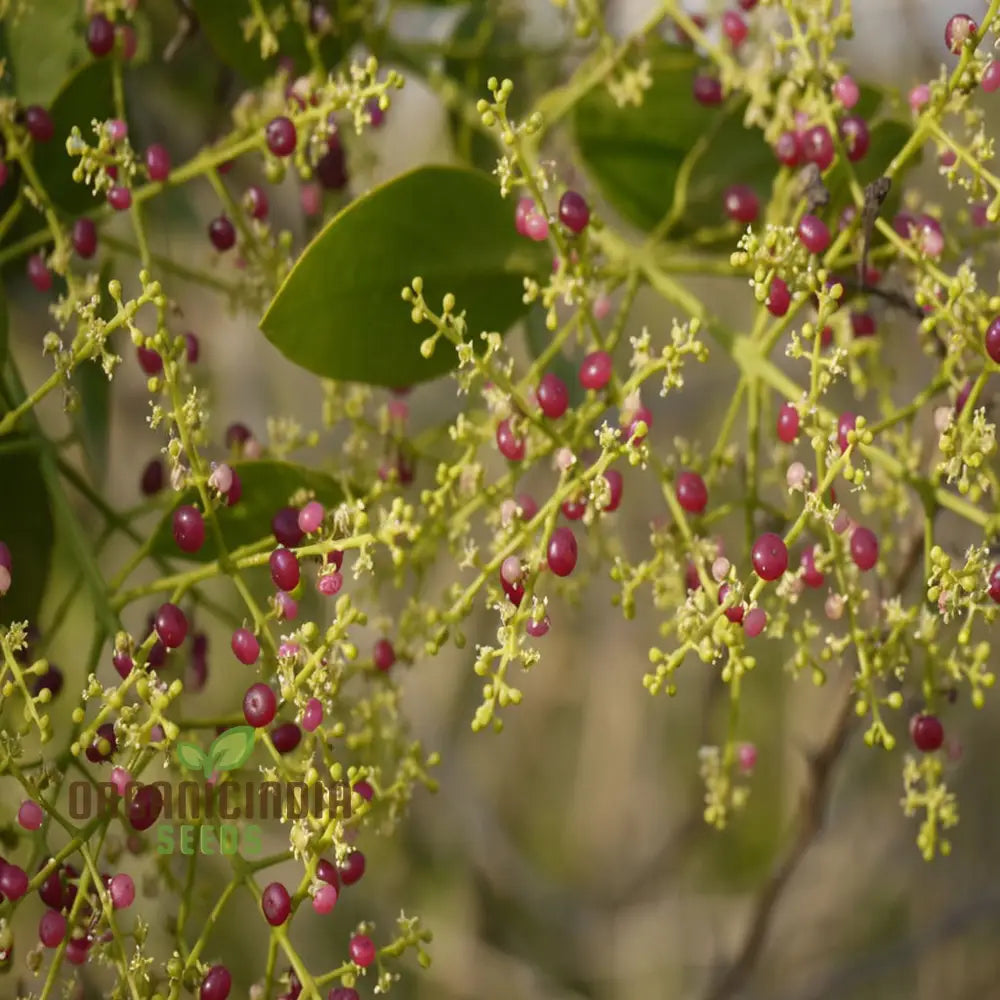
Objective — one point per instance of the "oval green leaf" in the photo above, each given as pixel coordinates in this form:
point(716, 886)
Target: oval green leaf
point(635, 154)
point(267, 486)
point(339, 313)
point(230, 749)
point(41, 45)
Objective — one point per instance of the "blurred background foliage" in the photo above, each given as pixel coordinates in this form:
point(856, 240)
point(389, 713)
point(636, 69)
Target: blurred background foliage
point(565, 858)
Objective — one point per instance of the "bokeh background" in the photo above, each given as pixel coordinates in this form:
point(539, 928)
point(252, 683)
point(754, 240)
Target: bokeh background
point(566, 858)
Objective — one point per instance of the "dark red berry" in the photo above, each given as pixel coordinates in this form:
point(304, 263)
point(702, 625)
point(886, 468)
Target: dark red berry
point(741, 203)
point(145, 807)
point(811, 576)
point(814, 235)
point(552, 395)
point(595, 370)
point(383, 655)
point(994, 584)
point(788, 423)
point(157, 162)
point(864, 548)
point(511, 444)
point(959, 29)
point(216, 984)
point(327, 872)
point(245, 646)
point(280, 136)
point(769, 556)
point(285, 527)
point(353, 868)
point(331, 167)
point(562, 551)
point(574, 508)
point(343, 993)
point(284, 569)
point(574, 212)
point(788, 149)
point(855, 136)
point(286, 737)
point(222, 233)
point(38, 272)
point(52, 928)
point(276, 904)
point(192, 348)
point(734, 613)
point(120, 198)
point(13, 881)
point(84, 238)
point(992, 341)
point(845, 423)
point(256, 201)
point(188, 528)
point(259, 706)
point(104, 745)
point(927, 733)
point(171, 625)
point(39, 123)
point(362, 950)
point(817, 146)
point(100, 36)
point(691, 492)
point(615, 483)
point(707, 90)
point(778, 297)
point(149, 360)
point(151, 481)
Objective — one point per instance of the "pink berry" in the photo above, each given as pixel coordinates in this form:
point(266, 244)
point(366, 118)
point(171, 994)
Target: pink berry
point(707, 90)
point(120, 198)
point(817, 146)
point(313, 715)
point(813, 234)
point(537, 629)
point(362, 950)
point(120, 778)
point(30, 815)
point(754, 622)
point(811, 576)
point(864, 548)
point(525, 206)
point(595, 370)
point(383, 655)
point(122, 891)
point(602, 307)
point(990, 80)
point(846, 91)
point(769, 556)
point(734, 28)
point(311, 517)
point(746, 755)
point(562, 551)
point(329, 584)
point(157, 162)
point(536, 227)
point(325, 899)
point(38, 272)
point(927, 733)
point(855, 136)
point(788, 149)
point(691, 492)
point(245, 646)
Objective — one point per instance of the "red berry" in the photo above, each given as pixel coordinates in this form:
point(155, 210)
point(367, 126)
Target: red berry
point(157, 162)
point(96, 753)
point(614, 480)
point(741, 203)
point(84, 238)
point(100, 36)
point(331, 167)
point(222, 233)
point(817, 146)
point(286, 529)
point(256, 201)
point(286, 737)
point(994, 584)
point(811, 576)
point(259, 705)
point(595, 370)
point(120, 198)
point(52, 929)
point(707, 90)
point(855, 136)
point(552, 395)
point(632, 434)
point(362, 950)
point(959, 29)
point(284, 569)
point(691, 492)
point(863, 324)
point(145, 807)
point(813, 233)
point(748, 4)
point(990, 80)
point(769, 556)
point(342, 993)
point(574, 212)
point(39, 123)
point(754, 622)
point(778, 297)
point(171, 625)
point(38, 272)
point(510, 444)
point(734, 613)
point(562, 551)
point(280, 135)
point(216, 984)
point(245, 646)
point(13, 881)
point(864, 548)
point(122, 890)
point(574, 508)
point(846, 91)
point(383, 655)
point(992, 341)
point(788, 149)
point(327, 872)
point(734, 28)
point(927, 733)
point(353, 868)
point(276, 904)
point(30, 815)
point(188, 528)
point(847, 422)
point(788, 423)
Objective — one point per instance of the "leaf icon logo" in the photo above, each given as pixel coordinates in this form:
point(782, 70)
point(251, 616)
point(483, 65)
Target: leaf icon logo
point(227, 752)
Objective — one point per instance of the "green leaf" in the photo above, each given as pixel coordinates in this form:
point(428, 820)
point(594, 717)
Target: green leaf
point(635, 154)
point(93, 417)
point(85, 96)
point(221, 22)
point(42, 45)
point(539, 336)
point(230, 749)
point(267, 485)
point(191, 756)
point(339, 313)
